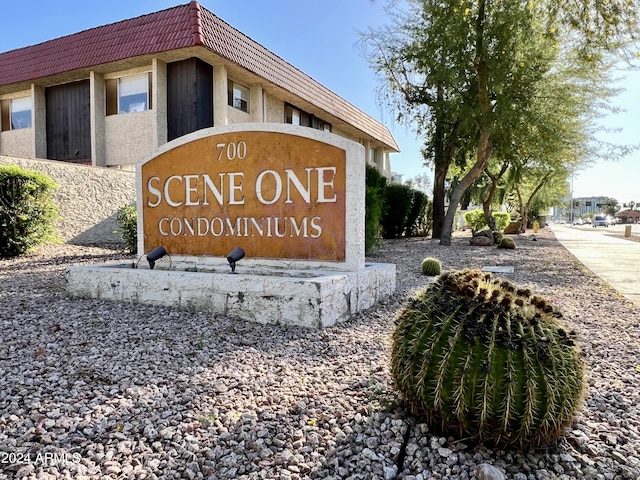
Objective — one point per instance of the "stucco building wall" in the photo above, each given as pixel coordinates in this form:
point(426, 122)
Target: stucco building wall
point(17, 142)
point(123, 148)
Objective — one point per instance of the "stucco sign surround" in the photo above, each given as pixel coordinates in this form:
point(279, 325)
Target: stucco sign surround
point(278, 191)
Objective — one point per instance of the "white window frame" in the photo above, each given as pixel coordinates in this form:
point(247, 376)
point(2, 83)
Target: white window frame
point(20, 105)
point(240, 94)
point(133, 85)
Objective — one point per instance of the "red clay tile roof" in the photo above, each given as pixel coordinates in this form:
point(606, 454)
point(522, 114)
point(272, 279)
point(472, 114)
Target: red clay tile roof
point(157, 32)
point(179, 27)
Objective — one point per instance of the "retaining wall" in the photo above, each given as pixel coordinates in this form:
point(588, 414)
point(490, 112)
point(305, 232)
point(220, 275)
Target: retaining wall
point(88, 199)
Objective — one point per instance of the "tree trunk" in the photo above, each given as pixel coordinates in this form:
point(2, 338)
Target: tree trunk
point(486, 204)
point(484, 125)
point(482, 157)
point(524, 213)
point(439, 177)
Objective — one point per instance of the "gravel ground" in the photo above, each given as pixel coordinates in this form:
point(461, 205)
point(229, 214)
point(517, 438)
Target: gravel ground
point(92, 389)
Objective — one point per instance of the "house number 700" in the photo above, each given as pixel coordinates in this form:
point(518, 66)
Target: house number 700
point(232, 150)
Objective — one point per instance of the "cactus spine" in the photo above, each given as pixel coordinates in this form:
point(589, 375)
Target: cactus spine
point(431, 266)
point(476, 356)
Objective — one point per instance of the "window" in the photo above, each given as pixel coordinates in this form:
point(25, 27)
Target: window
point(295, 116)
point(129, 94)
point(291, 115)
point(16, 113)
point(238, 96)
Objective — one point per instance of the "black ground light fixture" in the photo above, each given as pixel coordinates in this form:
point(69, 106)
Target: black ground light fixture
point(154, 255)
point(235, 255)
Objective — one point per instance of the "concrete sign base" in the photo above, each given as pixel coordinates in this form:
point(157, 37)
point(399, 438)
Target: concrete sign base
point(308, 298)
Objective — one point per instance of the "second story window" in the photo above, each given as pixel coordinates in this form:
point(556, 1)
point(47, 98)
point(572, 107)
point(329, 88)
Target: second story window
point(238, 96)
point(129, 94)
point(291, 115)
point(16, 113)
point(295, 116)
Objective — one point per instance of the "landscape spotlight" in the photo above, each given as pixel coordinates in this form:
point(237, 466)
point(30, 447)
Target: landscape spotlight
point(235, 255)
point(154, 255)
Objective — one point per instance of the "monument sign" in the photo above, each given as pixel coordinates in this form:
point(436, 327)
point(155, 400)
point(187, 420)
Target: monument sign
point(276, 194)
point(291, 197)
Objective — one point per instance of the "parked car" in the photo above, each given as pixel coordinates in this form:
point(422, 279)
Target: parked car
point(600, 221)
point(578, 221)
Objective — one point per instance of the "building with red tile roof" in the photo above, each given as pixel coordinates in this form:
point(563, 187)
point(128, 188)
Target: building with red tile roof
point(628, 216)
point(111, 95)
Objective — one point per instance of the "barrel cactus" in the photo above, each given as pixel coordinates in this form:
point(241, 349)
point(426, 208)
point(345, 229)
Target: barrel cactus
point(507, 242)
point(431, 266)
point(477, 356)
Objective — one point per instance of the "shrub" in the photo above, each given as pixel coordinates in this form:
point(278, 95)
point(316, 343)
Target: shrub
point(475, 219)
point(425, 224)
point(127, 218)
point(476, 356)
point(503, 219)
point(497, 237)
point(374, 206)
point(27, 210)
point(507, 242)
point(417, 214)
point(431, 266)
point(398, 200)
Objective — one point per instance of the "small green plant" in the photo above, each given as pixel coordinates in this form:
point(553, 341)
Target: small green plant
point(507, 242)
point(202, 342)
point(497, 237)
point(380, 391)
point(431, 266)
point(127, 218)
point(477, 356)
point(210, 418)
point(27, 210)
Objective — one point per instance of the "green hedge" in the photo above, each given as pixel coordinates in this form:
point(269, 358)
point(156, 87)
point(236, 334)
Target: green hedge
point(398, 201)
point(393, 210)
point(27, 210)
point(475, 219)
point(417, 218)
point(374, 207)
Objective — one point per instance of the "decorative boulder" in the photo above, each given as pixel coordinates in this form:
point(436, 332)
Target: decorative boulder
point(484, 233)
point(512, 229)
point(481, 241)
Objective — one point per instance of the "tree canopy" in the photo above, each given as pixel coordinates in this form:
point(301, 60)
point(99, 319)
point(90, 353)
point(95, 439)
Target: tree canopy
point(519, 80)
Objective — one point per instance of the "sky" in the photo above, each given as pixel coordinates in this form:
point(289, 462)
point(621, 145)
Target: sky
point(321, 39)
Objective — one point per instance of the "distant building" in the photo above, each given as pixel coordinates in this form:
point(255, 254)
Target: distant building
point(582, 206)
point(628, 216)
point(111, 95)
point(587, 205)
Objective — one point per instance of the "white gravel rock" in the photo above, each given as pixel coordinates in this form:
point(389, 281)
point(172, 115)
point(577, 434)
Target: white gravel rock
point(134, 391)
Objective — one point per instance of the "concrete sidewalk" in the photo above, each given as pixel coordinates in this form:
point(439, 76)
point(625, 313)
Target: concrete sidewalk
point(615, 260)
